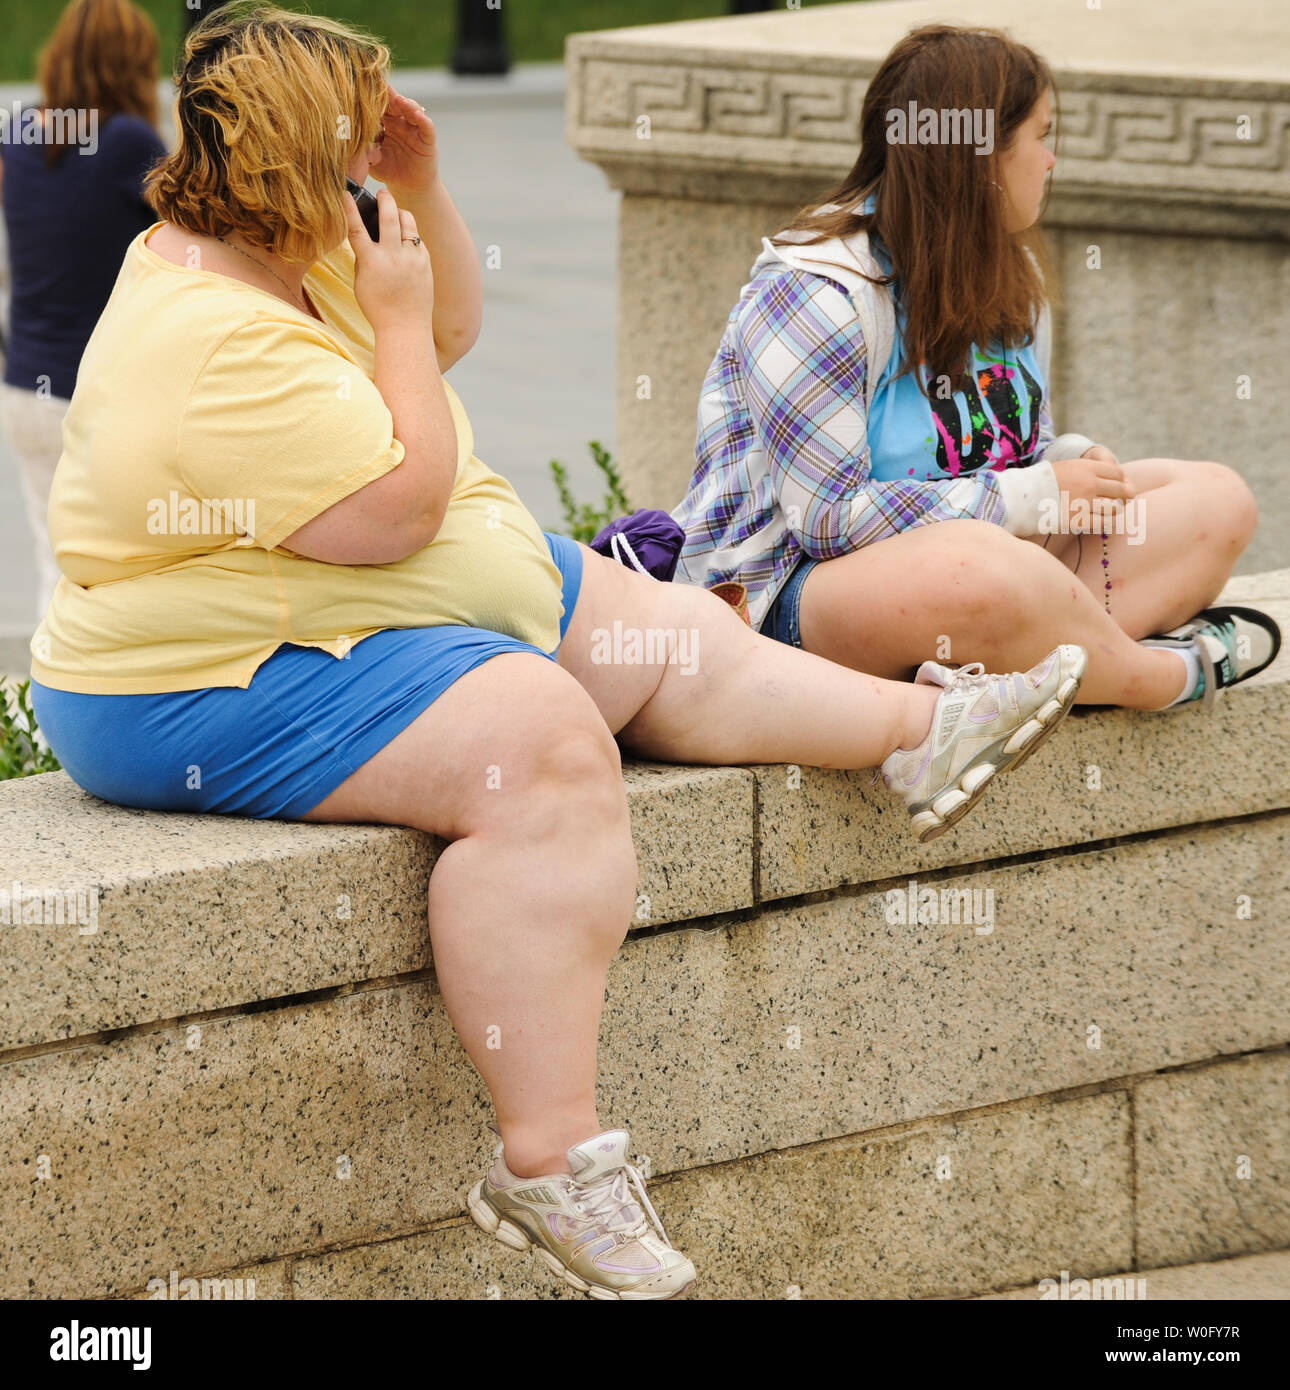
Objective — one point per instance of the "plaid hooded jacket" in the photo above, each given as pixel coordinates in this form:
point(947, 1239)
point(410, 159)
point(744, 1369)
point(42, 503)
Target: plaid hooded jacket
point(782, 456)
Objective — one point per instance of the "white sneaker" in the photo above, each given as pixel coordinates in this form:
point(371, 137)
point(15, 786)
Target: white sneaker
point(596, 1229)
point(982, 724)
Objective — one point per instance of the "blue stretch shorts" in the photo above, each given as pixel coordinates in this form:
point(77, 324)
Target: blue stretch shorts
point(305, 723)
point(783, 618)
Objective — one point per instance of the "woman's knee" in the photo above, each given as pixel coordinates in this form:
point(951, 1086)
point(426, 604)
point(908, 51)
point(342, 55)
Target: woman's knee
point(1228, 503)
point(995, 577)
point(566, 771)
point(1225, 509)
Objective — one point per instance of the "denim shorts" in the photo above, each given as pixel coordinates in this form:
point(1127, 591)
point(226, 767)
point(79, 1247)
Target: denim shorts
point(306, 722)
point(783, 618)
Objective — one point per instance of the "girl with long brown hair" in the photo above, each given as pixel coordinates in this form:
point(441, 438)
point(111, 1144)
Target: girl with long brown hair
point(876, 457)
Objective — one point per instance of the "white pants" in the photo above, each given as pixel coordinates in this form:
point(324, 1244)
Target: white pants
point(34, 425)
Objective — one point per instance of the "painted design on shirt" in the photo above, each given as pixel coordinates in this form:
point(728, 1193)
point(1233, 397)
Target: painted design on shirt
point(991, 437)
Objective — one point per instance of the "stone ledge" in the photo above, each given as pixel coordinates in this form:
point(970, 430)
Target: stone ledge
point(798, 1026)
point(768, 1227)
point(271, 909)
point(230, 1085)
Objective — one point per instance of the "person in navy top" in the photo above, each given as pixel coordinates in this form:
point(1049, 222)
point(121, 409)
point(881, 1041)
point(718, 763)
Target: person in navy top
point(72, 171)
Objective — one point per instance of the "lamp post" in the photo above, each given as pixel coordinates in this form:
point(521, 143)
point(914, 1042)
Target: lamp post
point(481, 42)
point(197, 10)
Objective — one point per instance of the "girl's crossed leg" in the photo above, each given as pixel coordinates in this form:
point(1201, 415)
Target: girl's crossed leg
point(971, 587)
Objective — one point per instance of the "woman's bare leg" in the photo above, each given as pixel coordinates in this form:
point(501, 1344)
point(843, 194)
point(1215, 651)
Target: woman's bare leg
point(1191, 521)
point(531, 899)
point(727, 695)
point(969, 591)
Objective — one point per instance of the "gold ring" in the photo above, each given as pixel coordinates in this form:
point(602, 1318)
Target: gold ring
point(412, 241)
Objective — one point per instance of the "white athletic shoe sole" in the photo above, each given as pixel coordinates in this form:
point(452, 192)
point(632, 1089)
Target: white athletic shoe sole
point(955, 802)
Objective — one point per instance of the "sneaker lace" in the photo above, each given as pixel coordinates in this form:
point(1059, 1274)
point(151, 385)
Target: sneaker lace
point(604, 1200)
point(970, 677)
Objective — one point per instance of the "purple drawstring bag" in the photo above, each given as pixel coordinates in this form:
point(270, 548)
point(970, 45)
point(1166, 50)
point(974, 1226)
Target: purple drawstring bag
point(648, 541)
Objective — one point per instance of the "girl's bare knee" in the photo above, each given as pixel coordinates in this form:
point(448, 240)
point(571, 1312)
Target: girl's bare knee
point(1239, 507)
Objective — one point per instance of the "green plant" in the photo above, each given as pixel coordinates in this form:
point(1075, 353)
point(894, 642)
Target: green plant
point(582, 519)
point(21, 754)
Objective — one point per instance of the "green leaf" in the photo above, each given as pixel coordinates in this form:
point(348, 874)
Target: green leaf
point(583, 520)
point(21, 753)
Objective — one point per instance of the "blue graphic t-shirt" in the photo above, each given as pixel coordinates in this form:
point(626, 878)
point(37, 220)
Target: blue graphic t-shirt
point(993, 425)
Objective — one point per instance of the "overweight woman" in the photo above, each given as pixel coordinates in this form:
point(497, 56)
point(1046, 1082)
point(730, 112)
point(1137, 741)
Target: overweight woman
point(290, 589)
point(876, 458)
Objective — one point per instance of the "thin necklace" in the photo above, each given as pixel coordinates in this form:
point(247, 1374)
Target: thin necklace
point(262, 266)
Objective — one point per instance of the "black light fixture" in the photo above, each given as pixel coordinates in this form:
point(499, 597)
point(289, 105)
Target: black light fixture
point(481, 40)
point(197, 10)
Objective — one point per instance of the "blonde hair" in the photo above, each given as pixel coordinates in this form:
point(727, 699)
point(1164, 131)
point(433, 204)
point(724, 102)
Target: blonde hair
point(271, 109)
point(102, 56)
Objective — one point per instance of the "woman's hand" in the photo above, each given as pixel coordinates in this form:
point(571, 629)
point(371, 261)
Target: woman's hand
point(408, 163)
point(393, 277)
point(1094, 489)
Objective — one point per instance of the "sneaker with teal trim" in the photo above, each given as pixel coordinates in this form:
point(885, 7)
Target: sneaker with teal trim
point(1231, 644)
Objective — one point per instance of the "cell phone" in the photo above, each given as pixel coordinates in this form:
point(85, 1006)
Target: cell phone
point(368, 208)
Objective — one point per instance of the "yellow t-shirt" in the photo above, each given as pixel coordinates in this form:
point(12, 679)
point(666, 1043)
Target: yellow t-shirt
point(210, 421)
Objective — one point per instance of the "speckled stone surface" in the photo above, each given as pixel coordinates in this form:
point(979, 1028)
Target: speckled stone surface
point(1242, 588)
point(205, 1153)
point(1104, 773)
point(1197, 1132)
point(693, 829)
point(680, 262)
point(1137, 949)
point(808, 1024)
point(197, 913)
point(1018, 1191)
point(455, 1261)
point(1245, 1277)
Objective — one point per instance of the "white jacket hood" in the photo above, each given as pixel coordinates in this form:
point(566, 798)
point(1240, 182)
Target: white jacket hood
point(849, 261)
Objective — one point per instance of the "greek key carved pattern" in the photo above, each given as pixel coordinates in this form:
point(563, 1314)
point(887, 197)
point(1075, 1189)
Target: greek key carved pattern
point(1205, 131)
point(1104, 127)
point(719, 101)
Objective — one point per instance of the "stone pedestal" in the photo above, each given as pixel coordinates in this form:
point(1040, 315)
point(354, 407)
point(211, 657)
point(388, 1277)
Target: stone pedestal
point(1173, 180)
